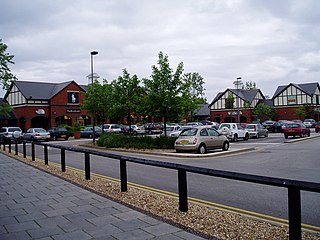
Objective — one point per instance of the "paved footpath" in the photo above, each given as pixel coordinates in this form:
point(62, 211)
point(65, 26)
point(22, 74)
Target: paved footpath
point(37, 205)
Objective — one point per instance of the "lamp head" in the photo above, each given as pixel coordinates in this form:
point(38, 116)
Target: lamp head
point(94, 53)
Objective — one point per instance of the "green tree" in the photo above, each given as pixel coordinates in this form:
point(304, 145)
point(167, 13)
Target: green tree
point(192, 93)
point(5, 109)
point(168, 91)
point(249, 85)
point(127, 95)
point(99, 100)
point(264, 112)
point(5, 73)
point(305, 111)
point(230, 101)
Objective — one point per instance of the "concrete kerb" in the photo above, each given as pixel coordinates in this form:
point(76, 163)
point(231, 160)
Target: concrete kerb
point(172, 153)
point(300, 139)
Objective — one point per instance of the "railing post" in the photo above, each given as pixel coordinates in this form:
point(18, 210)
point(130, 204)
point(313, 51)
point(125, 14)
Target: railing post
point(16, 147)
point(87, 165)
point(33, 152)
point(123, 175)
point(63, 160)
point(4, 145)
point(46, 160)
point(24, 149)
point(9, 146)
point(183, 190)
point(294, 209)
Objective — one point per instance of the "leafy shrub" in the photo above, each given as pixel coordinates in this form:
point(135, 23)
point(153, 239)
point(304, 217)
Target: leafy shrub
point(139, 142)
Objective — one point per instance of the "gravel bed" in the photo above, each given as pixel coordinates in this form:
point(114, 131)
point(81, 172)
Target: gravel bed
point(206, 222)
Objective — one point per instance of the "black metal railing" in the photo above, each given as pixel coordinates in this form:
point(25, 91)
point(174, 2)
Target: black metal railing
point(294, 186)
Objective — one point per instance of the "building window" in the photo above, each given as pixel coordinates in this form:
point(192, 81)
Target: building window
point(73, 97)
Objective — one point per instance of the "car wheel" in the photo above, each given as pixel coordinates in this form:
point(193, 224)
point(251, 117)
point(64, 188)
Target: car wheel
point(55, 138)
point(266, 135)
point(135, 133)
point(308, 134)
point(90, 135)
point(285, 136)
point(202, 149)
point(301, 135)
point(225, 146)
point(149, 132)
point(66, 138)
point(235, 137)
point(257, 135)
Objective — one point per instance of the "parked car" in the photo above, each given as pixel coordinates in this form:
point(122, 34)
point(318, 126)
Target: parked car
point(234, 131)
point(281, 125)
point(88, 132)
point(171, 129)
point(134, 129)
point(317, 127)
point(8, 134)
point(309, 123)
point(153, 128)
point(177, 133)
point(270, 125)
point(59, 132)
point(256, 130)
point(36, 134)
point(296, 129)
point(112, 128)
point(201, 139)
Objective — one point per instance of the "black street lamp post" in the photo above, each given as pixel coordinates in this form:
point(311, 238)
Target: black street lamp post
point(93, 114)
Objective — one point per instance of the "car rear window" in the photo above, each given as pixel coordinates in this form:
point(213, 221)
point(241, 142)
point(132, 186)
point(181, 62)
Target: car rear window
point(14, 129)
point(293, 126)
point(189, 132)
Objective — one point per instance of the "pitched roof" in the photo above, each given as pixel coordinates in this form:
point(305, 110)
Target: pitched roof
point(246, 95)
point(203, 110)
point(308, 88)
point(40, 90)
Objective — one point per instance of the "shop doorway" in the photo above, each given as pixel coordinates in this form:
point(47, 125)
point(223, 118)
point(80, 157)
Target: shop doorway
point(40, 122)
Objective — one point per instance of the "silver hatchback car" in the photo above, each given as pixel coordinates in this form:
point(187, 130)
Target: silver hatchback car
point(256, 130)
point(200, 139)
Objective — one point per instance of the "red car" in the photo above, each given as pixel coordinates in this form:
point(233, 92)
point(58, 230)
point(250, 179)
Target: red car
point(296, 129)
point(317, 127)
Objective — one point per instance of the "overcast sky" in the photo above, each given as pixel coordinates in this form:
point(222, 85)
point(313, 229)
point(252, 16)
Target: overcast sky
point(269, 42)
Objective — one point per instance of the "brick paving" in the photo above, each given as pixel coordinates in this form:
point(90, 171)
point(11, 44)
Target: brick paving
point(37, 205)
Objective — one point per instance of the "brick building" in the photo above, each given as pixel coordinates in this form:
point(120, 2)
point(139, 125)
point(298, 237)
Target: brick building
point(286, 101)
point(39, 104)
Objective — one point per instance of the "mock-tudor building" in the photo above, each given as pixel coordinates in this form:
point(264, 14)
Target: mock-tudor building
point(39, 104)
point(221, 110)
point(286, 100)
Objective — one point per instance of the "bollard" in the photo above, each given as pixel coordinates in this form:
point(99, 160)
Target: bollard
point(9, 146)
point(183, 191)
point(123, 175)
point(16, 147)
point(87, 165)
point(33, 152)
point(46, 160)
point(63, 160)
point(24, 149)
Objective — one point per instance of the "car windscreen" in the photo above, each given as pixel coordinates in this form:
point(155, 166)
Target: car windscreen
point(189, 132)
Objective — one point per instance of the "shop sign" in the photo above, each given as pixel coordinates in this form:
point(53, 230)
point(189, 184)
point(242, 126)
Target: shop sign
point(292, 100)
point(73, 110)
point(40, 111)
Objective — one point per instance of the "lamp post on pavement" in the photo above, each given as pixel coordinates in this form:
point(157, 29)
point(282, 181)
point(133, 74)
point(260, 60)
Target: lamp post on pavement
point(93, 114)
point(237, 83)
